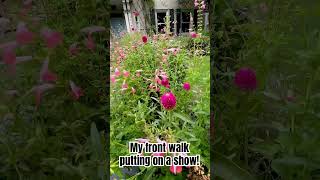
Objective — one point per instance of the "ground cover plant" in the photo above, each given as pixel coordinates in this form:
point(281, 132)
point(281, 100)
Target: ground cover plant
point(266, 77)
point(159, 92)
point(52, 89)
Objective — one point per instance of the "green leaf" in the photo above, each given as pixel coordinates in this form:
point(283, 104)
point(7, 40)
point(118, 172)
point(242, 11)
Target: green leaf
point(183, 117)
point(226, 169)
point(149, 173)
point(272, 96)
point(95, 142)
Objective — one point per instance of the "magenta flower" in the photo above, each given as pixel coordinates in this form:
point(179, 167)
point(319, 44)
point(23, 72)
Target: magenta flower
point(45, 74)
point(52, 38)
point(245, 79)
point(186, 86)
point(193, 34)
point(144, 39)
point(168, 100)
point(165, 82)
point(23, 35)
point(90, 43)
point(76, 91)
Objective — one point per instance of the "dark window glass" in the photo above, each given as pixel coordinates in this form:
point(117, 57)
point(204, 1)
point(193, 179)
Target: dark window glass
point(185, 16)
point(161, 17)
point(185, 27)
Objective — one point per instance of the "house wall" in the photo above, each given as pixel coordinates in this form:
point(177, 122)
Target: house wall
point(165, 4)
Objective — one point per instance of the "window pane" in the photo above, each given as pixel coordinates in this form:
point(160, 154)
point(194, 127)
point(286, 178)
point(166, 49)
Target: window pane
point(161, 17)
point(185, 27)
point(185, 17)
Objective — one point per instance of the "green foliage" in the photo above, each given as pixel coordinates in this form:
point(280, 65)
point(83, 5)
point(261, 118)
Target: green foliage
point(54, 141)
point(271, 133)
point(140, 115)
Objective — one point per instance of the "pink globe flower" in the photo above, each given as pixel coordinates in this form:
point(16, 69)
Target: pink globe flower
point(144, 39)
point(193, 34)
point(168, 101)
point(186, 86)
point(175, 169)
point(245, 79)
point(165, 82)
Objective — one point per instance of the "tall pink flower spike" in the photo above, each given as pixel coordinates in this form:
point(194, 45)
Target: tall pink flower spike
point(23, 35)
point(52, 38)
point(76, 91)
point(45, 74)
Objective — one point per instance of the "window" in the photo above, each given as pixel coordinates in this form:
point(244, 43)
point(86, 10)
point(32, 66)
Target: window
point(161, 20)
point(185, 21)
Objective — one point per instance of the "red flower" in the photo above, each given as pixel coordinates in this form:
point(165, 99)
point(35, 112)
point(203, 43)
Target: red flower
point(186, 86)
point(245, 79)
point(144, 39)
point(168, 101)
